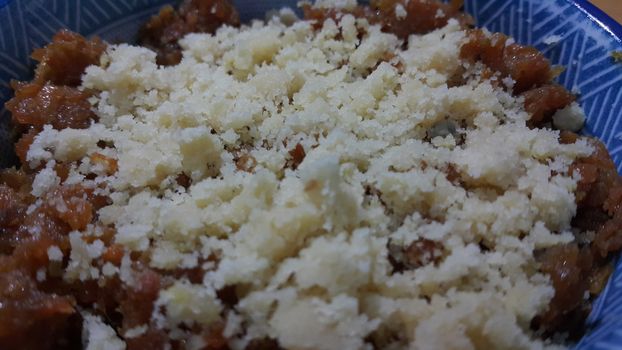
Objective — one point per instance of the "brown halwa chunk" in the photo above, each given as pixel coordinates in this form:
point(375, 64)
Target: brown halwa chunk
point(71, 204)
point(29, 313)
point(137, 305)
point(153, 338)
point(53, 97)
point(164, 30)
point(214, 338)
point(107, 164)
point(525, 64)
point(543, 102)
point(263, 344)
point(599, 200)
point(528, 67)
point(421, 16)
point(297, 155)
point(580, 270)
point(61, 106)
point(63, 61)
point(29, 318)
point(23, 144)
point(183, 180)
point(13, 207)
point(569, 267)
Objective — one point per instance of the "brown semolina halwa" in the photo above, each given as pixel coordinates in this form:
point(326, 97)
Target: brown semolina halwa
point(377, 176)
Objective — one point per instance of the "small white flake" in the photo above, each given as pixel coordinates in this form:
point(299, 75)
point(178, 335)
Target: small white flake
point(571, 118)
point(400, 11)
point(552, 39)
point(97, 335)
point(109, 270)
point(55, 254)
point(136, 331)
point(45, 180)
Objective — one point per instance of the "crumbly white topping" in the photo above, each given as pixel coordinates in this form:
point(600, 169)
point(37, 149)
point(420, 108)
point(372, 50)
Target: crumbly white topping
point(307, 244)
point(571, 118)
point(81, 256)
point(99, 336)
point(45, 180)
point(400, 11)
point(55, 254)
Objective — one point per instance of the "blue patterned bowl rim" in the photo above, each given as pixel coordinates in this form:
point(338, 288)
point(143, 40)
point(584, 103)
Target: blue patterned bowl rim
point(600, 17)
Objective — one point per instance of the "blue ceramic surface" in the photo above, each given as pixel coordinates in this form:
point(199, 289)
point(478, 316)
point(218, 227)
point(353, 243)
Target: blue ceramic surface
point(587, 38)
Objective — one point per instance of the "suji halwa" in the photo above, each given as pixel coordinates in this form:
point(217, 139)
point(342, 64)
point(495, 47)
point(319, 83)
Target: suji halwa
point(379, 176)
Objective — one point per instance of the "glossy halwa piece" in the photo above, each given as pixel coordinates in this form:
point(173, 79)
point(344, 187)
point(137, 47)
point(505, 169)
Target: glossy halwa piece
point(63, 61)
point(36, 315)
point(525, 64)
point(418, 16)
point(52, 96)
point(542, 102)
point(579, 270)
point(60, 106)
point(39, 313)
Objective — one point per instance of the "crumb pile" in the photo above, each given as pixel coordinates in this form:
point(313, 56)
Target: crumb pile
point(337, 180)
